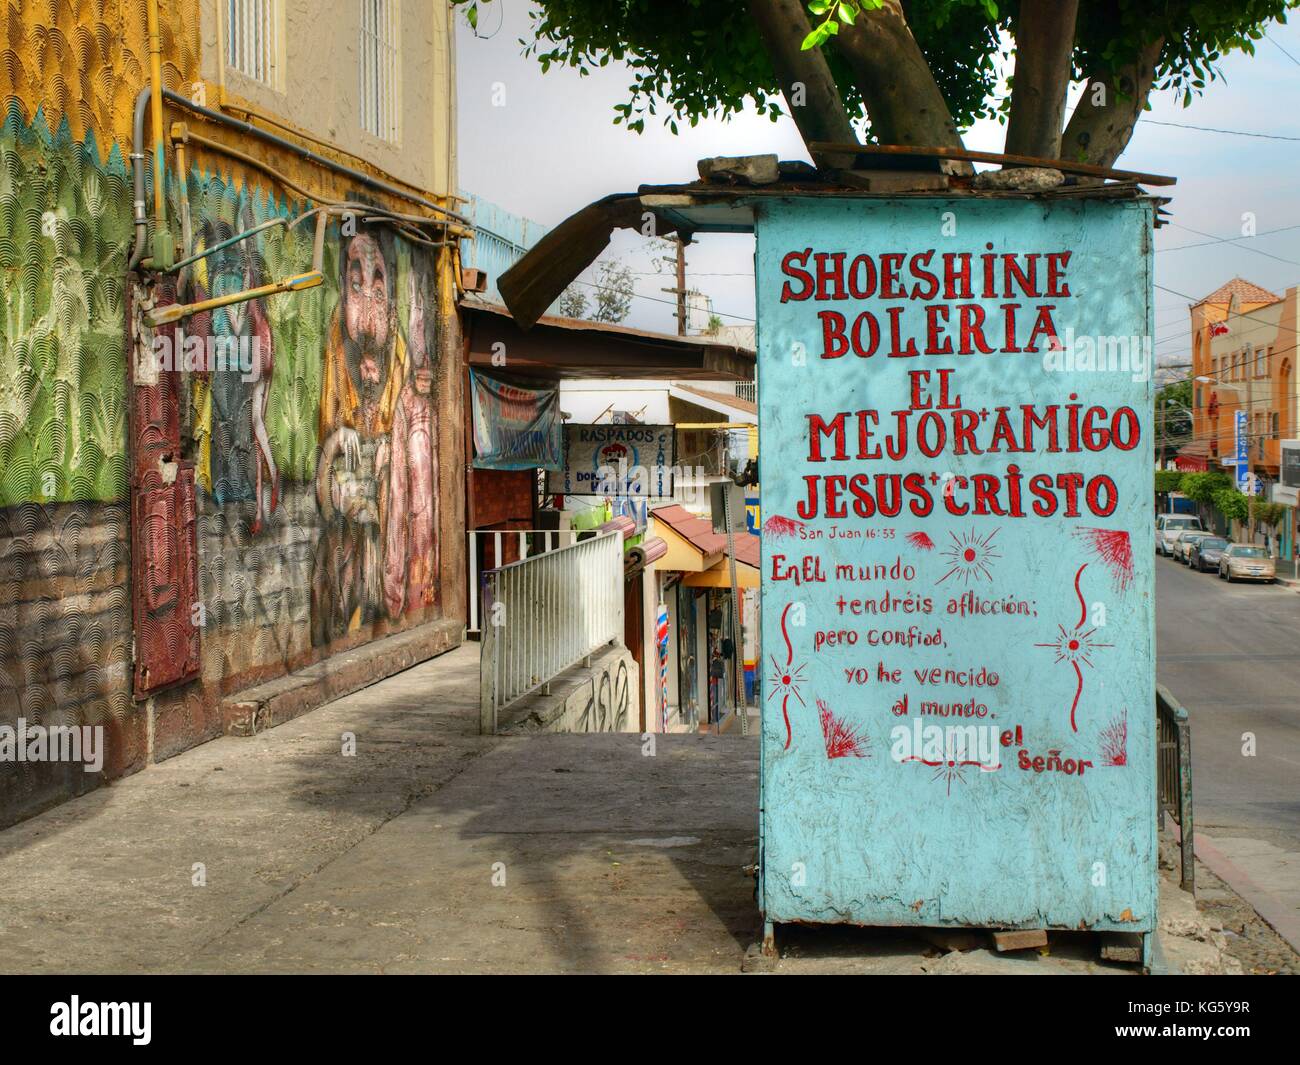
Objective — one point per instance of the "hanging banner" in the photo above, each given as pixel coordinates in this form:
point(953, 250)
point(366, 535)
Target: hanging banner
point(616, 460)
point(514, 428)
point(958, 604)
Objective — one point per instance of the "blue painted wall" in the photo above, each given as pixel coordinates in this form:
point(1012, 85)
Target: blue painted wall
point(500, 241)
point(858, 823)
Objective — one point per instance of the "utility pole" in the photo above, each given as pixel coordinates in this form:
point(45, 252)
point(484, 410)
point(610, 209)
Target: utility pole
point(680, 290)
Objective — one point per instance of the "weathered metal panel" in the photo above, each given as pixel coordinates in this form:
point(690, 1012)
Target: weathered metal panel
point(1033, 804)
point(164, 556)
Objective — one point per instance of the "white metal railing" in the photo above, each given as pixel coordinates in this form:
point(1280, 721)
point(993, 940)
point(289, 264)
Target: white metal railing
point(546, 613)
point(526, 542)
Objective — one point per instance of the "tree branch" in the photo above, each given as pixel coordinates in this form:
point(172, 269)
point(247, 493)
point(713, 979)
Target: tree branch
point(810, 91)
point(902, 98)
point(1103, 121)
point(1044, 32)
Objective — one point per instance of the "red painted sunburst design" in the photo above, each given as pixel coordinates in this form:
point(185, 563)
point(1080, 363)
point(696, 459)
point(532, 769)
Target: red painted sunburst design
point(969, 557)
point(842, 740)
point(1114, 550)
point(785, 679)
point(780, 528)
point(921, 541)
point(1114, 741)
point(1075, 645)
point(949, 771)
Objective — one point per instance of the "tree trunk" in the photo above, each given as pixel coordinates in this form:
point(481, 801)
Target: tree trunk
point(1044, 32)
point(902, 98)
point(810, 91)
point(1103, 121)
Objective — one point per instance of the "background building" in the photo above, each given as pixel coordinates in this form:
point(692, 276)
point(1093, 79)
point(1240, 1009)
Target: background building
point(1243, 361)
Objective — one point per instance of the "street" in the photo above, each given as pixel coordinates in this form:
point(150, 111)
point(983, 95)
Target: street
point(1227, 652)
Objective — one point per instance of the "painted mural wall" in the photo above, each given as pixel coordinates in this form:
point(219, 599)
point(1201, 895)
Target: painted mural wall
point(322, 428)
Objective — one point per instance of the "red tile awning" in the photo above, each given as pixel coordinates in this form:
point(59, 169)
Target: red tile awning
point(699, 532)
point(1194, 458)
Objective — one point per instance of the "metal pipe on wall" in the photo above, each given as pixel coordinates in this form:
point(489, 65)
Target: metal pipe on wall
point(175, 312)
point(310, 156)
point(145, 97)
point(163, 252)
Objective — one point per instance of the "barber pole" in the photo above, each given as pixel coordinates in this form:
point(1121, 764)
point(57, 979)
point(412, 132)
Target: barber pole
point(661, 640)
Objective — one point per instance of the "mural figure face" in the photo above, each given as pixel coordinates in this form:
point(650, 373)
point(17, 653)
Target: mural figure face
point(366, 313)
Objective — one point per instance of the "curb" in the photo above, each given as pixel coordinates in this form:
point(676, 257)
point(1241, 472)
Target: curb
point(253, 710)
point(1273, 911)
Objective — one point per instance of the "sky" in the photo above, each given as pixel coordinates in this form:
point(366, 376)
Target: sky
point(544, 146)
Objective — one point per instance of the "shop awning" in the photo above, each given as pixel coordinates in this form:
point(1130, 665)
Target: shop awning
point(1193, 458)
point(694, 548)
point(719, 576)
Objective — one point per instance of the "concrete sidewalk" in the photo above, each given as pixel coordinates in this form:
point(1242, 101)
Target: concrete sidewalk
point(432, 849)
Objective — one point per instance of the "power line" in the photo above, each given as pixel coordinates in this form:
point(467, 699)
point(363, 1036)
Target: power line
point(1212, 129)
point(1235, 241)
point(654, 299)
point(1220, 240)
point(1283, 50)
point(1216, 376)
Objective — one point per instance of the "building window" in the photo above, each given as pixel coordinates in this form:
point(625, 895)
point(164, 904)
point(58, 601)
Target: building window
point(252, 38)
point(1261, 365)
point(378, 68)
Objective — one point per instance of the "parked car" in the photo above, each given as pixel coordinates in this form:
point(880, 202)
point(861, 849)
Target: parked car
point(1204, 555)
point(1185, 541)
point(1170, 525)
point(1246, 562)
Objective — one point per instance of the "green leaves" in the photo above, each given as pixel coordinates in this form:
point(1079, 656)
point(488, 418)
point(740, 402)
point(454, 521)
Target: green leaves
point(696, 58)
point(1231, 503)
point(820, 34)
point(1202, 487)
point(471, 11)
point(832, 13)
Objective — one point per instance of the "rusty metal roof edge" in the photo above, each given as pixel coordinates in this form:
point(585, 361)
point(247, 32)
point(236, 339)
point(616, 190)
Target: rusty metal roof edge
point(703, 343)
point(703, 190)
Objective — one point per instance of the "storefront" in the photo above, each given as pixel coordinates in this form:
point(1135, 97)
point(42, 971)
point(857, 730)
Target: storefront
point(705, 649)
